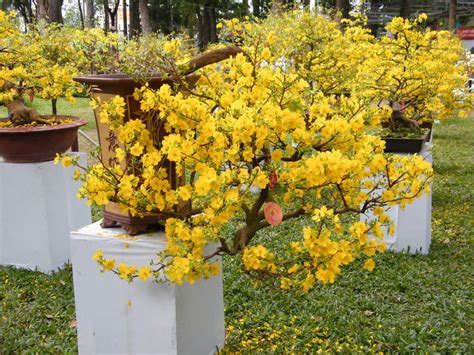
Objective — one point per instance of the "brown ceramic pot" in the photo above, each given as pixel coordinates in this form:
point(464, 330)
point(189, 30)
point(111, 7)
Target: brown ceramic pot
point(106, 87)
point(38, 144)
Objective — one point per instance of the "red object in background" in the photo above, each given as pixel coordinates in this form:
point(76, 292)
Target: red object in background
point(466, 33)
point(273, 213)
point(273, 180)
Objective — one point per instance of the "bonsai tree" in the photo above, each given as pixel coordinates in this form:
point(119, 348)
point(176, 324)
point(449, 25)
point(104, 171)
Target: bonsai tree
point(255, 143)
point(41, 63)
point(414, 73)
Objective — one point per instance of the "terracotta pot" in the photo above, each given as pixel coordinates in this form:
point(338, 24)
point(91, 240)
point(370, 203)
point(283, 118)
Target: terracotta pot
point(106, 87)
point(37, 144)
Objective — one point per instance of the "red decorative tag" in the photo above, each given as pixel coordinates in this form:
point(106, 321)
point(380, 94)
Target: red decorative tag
point(273, 213)
point(273, 180)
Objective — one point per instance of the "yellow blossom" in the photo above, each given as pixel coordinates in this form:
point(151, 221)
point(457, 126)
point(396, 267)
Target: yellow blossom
point(144, 273)
point(98, 255)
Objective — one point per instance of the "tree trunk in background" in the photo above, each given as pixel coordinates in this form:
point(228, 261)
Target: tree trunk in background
point(405, 8)
point(203, 34)
point(207, 21)
point(81, 14)
point(49, 10)
point(453, 4)
point(344, 7)
point(256, 8)
point(113, 15)
point(134, 18)
point(25, 8)
point(212, 23)
point(106, 15)
point(145, 17)
point(306, 3)
point(5, 5)
point(124, 15)
point(245, 7)
point(89, 21)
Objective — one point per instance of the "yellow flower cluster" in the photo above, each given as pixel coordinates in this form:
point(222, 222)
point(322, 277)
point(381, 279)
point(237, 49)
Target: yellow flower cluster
point(43, 61)
point(258, 258)
point(126, 272)
point(416, 71)
point(279, 122)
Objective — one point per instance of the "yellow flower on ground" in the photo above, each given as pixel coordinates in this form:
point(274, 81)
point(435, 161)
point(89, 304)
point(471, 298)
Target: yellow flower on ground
point(369, 264)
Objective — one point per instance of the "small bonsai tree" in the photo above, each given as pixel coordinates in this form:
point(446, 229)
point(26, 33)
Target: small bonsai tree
point(42, 63)
point(416, 73)
point(255, 142)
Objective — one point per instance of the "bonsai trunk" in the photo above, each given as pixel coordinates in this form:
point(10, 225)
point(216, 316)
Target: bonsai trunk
point(19, 114)
point(400, 120)
point(54, 106)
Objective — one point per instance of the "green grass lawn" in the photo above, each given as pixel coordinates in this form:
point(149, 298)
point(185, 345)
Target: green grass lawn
point(407, 304)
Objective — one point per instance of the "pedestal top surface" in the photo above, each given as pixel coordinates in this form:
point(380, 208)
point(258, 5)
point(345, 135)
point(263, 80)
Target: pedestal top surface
point(94, 230)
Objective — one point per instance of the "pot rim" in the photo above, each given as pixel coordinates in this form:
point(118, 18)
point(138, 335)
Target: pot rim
point(77, 122)
point(121, 78)
point(422, 137)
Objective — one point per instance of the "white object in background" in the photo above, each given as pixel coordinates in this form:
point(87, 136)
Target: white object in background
point(413, 223)
point(114, 316)
point(38, 210)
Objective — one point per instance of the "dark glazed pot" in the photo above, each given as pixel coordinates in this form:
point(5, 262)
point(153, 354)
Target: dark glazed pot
point(38, 144)
point(406, 145)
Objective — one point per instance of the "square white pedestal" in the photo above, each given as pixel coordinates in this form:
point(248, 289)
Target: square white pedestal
point(413, 224)
point(118, 317)
point(38, 210)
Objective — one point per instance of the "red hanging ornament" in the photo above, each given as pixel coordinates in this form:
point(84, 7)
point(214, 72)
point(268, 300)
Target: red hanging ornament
point(273, 213)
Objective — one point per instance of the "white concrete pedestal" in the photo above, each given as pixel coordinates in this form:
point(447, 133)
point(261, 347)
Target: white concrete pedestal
point(114, 316)
point(413, 224)
point(38, 210)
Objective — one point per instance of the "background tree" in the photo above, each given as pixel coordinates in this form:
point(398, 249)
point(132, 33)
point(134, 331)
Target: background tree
point(25, 9)
point(452, 14)
point(89, 18)
point(134, 12)
point(405, 8)
point(145, 17)
point(112, 9)
point(256, 7)
point(124, 18)
point(49, 10)
point(344, 7)
point(207, 22)
point(81, 14)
